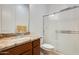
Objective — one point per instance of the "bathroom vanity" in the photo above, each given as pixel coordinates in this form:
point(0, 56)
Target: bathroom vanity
point(27, 45)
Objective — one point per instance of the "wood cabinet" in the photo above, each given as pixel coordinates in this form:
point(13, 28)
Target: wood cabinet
point(36, 47)
point(19, 49)
point(30, 48)
point(36, 50)
point(29, 52)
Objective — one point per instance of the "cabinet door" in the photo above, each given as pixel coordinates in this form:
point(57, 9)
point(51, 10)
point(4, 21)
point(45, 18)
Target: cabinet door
point(8, 19)
point(36, 47)
point(29, 52)
point(36, 50)
point(19, 50)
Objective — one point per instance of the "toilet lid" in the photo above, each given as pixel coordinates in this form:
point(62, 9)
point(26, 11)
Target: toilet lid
point(47, 46)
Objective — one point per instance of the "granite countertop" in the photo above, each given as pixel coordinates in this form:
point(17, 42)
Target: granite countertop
point(10, 42)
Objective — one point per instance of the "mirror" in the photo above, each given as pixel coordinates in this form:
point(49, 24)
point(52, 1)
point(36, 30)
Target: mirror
point(14, 18)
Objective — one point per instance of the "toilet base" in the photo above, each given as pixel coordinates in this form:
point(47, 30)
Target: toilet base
point(51, 52)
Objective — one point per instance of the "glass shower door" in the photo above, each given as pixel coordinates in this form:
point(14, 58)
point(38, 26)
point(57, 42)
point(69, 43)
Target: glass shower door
point(62, 31)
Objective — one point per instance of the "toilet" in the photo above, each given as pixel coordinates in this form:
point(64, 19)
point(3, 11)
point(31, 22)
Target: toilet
point(48, 49)
point(45, 48)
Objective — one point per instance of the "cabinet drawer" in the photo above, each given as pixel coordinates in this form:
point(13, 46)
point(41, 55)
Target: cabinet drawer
point(19, 49)
point(29, 52)
point(36, 43)
point(36, 50)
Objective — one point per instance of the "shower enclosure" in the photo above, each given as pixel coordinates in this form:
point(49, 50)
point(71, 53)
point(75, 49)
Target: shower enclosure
point(61, 29)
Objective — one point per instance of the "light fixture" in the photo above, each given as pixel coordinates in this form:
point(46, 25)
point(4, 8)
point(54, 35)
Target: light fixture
point(52, 15)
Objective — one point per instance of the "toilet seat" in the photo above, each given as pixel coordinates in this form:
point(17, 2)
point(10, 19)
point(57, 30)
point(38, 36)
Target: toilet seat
point(47, 47)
